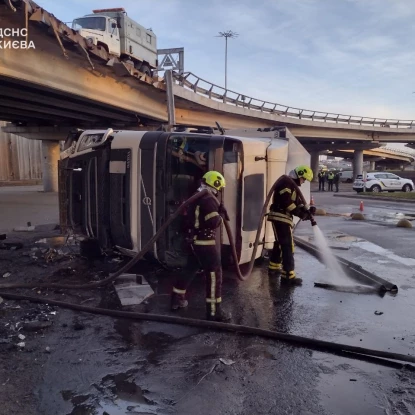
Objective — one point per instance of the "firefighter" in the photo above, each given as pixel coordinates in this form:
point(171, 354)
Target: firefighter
point(287, 202)
point(204, 217)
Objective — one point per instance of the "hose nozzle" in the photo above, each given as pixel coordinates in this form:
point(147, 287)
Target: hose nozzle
point(313, 221)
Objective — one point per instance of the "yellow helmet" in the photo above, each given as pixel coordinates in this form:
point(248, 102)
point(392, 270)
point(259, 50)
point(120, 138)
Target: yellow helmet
point(214, 179)
point(305, 172)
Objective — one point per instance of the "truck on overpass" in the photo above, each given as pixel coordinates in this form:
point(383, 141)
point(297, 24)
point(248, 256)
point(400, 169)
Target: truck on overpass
point(121, 36)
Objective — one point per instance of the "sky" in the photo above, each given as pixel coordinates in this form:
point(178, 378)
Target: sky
point(354, 57)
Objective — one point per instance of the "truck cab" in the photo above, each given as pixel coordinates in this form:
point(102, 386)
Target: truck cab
point(121, 186)
point(101, 31)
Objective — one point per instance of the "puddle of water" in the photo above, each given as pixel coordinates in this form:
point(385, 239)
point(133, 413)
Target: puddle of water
point(346, 238)
point(376, 249)
point(119, 395)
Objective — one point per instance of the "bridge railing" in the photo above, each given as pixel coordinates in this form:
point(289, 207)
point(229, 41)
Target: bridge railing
point(217, 93)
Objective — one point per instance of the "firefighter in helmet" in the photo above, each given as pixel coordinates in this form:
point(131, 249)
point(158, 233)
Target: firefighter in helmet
point(287, 201)
point(204, 218)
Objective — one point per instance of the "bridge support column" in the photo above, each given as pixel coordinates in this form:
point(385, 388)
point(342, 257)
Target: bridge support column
point(357, 163)
point(315, 160)
point(50, 157)
point(372, 166)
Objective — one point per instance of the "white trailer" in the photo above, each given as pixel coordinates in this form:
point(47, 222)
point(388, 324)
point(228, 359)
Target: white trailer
point(120, 36)
point(123, 185)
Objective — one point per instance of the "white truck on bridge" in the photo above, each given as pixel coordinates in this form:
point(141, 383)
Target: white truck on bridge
point(120, 36)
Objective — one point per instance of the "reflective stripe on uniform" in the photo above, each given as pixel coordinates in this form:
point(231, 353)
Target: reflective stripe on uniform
point(280, 217)
point(285, 190)
point(177, 291)
point(212, 294)
point(291, 275)
point(274, 265)
point(215, 300)
point(291, 207)
point(208, 242)
point(211, 215)
point(292, 240)
point(197, 217)
point(294, 196)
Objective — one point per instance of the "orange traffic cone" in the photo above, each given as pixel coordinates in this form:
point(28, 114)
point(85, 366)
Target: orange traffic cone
point(361, 206)
point(312, 201)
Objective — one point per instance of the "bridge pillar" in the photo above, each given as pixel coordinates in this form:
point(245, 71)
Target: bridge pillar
point(314, 164)
point(50, 157)
point(372, 166)
point(357, 163)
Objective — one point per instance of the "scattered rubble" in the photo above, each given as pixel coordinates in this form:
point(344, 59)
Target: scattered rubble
point(11, 246)
point(132, 289)
point(35, 325)
point(227, 362)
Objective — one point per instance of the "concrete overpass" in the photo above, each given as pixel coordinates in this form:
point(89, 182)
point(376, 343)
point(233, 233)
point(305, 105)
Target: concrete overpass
point(64, 83)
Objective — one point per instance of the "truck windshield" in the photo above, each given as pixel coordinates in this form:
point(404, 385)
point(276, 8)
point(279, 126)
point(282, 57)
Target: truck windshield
point(94, 23)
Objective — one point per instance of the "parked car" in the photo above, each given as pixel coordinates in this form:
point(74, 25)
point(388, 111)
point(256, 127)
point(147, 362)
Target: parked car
point(346, 176)
point(382, 182)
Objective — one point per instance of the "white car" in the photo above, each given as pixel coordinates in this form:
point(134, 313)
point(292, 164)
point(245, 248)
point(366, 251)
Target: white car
point(382, 182)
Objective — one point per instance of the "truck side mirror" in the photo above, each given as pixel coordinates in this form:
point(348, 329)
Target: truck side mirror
point(114, 25)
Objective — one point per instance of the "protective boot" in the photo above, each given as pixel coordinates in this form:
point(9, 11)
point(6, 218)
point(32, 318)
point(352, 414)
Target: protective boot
point(219, 315)
point(178, 301)
point(292, 281)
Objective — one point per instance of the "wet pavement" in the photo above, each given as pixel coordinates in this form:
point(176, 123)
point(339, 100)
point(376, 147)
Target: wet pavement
point(84, 364)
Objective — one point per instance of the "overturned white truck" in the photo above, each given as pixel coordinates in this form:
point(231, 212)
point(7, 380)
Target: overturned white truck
point(121, 186)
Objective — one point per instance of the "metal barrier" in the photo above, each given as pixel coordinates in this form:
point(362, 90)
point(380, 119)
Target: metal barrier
point(200, 86)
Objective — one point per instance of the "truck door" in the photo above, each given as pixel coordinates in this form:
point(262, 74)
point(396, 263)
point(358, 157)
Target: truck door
point(183, 159)
point(113, 38)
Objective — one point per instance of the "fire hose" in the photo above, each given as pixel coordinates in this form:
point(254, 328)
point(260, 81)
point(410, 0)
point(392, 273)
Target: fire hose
point(150, 243)
point(253, 331)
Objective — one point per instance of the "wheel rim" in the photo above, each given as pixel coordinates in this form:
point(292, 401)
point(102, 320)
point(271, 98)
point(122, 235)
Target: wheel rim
point(406, 188)
point(376, 189)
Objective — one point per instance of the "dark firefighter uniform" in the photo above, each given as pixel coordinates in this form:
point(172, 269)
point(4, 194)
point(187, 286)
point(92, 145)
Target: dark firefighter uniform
point(286, 203)
point(204, 218)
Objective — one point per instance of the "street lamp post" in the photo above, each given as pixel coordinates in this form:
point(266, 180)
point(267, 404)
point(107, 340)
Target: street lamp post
point(229, 34)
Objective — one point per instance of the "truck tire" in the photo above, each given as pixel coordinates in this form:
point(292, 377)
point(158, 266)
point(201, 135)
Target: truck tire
point(145, 69)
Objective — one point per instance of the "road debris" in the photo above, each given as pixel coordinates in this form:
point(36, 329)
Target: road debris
point(21, 336)
point(11, 246)
point(227, 362)
point(21, 345)
point(7, 275)
point(35, 325)
point(47, 349)
point(378, 313)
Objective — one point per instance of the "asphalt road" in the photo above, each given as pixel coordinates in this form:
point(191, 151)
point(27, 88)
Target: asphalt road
point(22, 204)
point(96, 365)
